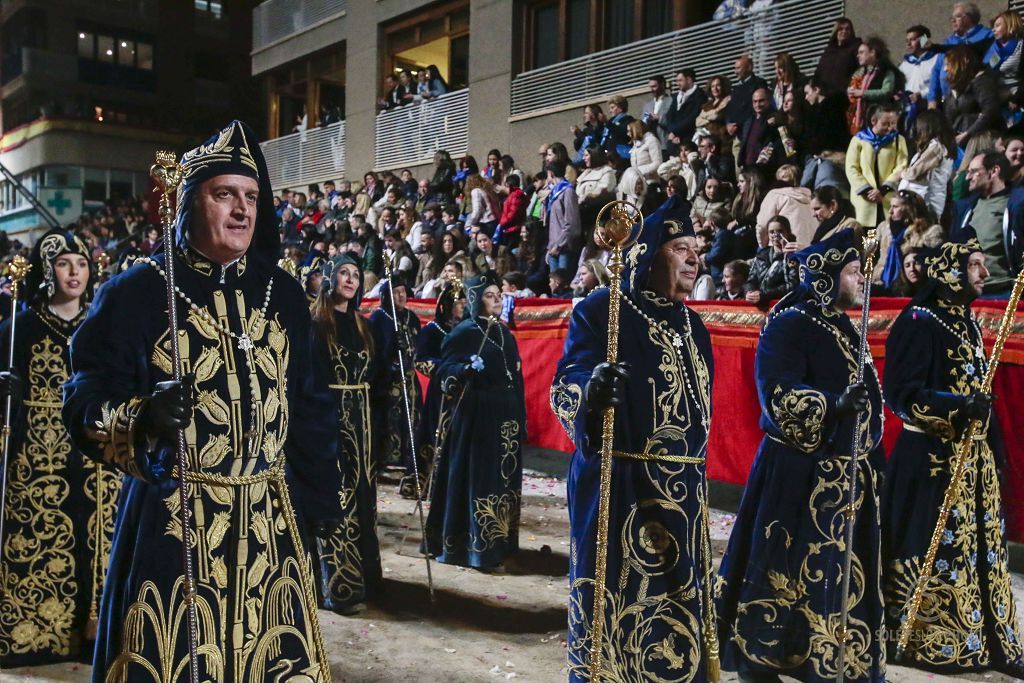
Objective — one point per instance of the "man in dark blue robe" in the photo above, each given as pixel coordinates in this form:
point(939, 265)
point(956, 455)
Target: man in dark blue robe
point(781, 594)
point(474, 504)
point(934, 379)
point(250, 416)
point(658, 620)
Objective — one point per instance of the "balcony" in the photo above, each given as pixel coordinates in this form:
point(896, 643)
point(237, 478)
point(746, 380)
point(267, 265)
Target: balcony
point(276, 20)
point(311, 156)
point(409, 135)
point(32, 62)
point(800, 27)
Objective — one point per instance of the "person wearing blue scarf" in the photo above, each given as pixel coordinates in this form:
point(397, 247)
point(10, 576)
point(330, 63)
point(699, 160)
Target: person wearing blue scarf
point(967, 30)
point(658, 614)
point(935, 365)
point(875, 159)
point(259, 435)
point(781, 601)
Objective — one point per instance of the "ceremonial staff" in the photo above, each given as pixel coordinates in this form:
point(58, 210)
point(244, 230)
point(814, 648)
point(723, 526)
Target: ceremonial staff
point(853, 468)
point(18, 271)
point(167, 173)
point(963, 451)
point(408, 424)
point(440, 434)
point(615, 234)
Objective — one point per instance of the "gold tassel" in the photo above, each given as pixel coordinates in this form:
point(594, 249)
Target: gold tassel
point(91, 627)
point(714, 665)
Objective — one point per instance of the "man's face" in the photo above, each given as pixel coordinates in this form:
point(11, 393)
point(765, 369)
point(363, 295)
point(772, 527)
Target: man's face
point(683, 82)
point(960, 21)
point(884, 122)
point(491, 301)
point(851, 287)
point(224, 217)
point(71, 271)
point(423, 188)
point(742, 68)
point(760, 101)
point(654, 87)
point(978, 178)
point(912, 44)
point(977, 272)
point(387, 216)
point(704, 148)
point(675, 269)
point(449, 272)
point(732, 280)
point(426, 242)
point(406, 176)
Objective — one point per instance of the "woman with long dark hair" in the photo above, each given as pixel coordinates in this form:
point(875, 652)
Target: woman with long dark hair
point(348, 564)
point(441, 183)
point(839, 60)
point(973, 103)
point(60, 506)
point(873, 83)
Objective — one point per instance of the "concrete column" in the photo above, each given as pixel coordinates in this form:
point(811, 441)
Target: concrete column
point(490, 76)
point(361, 75)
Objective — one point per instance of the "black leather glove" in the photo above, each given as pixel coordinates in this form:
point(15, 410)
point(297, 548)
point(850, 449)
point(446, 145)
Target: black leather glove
point(854, 400)
point(607, 386)
point(168, 409)
point(10, 384)
point(978, 406)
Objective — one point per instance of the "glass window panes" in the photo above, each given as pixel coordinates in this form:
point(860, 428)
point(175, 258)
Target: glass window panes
point(126, 52)
point(618, 23)
point(545, 35)
point(578, 31)
point(144, 56)
point(105, 49)
point(86, 45)
point(657, 17)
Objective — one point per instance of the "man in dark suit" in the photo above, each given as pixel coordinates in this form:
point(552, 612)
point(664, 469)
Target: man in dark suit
point(738, 111)
point(681, 118)
point(711, 161)
point(760, 144)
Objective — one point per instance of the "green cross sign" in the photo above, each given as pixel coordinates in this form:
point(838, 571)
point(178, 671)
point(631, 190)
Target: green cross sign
point(59, 203)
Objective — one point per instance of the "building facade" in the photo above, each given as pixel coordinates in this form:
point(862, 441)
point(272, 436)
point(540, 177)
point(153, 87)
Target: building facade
point(89, 89)
point(520, 70)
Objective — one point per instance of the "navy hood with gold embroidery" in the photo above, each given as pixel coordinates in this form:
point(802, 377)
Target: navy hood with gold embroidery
point(41, 284)
point(820, 266)
point(232, 151)
point(945, 267)
point(669, 222)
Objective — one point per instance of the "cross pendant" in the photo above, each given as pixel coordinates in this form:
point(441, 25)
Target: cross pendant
point(244, 342)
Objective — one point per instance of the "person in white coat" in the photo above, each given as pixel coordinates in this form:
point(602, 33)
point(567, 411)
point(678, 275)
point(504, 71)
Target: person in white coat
point(644, 159)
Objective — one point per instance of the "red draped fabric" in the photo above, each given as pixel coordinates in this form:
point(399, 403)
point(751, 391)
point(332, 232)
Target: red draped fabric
point(541, 326)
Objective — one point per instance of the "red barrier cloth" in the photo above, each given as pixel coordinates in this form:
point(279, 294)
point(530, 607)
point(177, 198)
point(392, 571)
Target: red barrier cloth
point(542, 324)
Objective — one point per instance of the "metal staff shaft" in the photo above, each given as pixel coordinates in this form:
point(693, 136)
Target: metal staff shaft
point(168, 175)
point(963, 451)
point(408, 424)
point(853, 468)
point(607, 444)
point(19, 269)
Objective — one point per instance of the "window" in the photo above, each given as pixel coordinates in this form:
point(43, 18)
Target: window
point(437, 36)
point(86, 45)
point(105, 49)
point(126, 53)
point(557, 30)
point(211, 7)
point(545, 29)
point(145, 56)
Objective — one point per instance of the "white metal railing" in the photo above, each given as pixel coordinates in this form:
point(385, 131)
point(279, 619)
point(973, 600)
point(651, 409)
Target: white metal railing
point(800, 27)
point(274, 20)
point(409, 135)
point(1017, 5)
point(311, 156)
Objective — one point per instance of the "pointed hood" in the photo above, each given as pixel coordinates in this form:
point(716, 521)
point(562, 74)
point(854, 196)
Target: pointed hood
point(946, 269)
point(232, 151)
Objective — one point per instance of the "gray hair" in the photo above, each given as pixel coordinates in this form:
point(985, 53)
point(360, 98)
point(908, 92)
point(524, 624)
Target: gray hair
point(971, 10)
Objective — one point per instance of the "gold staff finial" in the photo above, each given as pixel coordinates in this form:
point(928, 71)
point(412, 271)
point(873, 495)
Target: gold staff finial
point(18, 270)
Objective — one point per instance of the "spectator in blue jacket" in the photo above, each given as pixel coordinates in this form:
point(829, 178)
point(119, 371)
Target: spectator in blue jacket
point(967, 30)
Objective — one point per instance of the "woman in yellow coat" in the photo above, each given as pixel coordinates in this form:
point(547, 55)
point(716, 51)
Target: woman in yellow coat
point(874, 161)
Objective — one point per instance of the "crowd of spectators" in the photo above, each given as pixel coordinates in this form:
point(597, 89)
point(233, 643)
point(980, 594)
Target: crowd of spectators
point(769, 163)
point(408, 87)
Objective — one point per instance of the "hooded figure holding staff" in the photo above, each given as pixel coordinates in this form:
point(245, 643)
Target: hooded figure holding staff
point(934, 381)
point(658, 616)
point(782, 595)
point(251, 418)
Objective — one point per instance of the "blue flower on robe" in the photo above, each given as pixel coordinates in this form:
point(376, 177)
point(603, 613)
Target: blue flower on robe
point(988, 517)
point(969, 369)
point(956, 513)
point(947, 537)
point(941, 565)
point(973, 642)
point(953, 575)
point(991, 556)
point(1001, 611)
point(973, 559)
point(947, 650)
point(976, 616)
